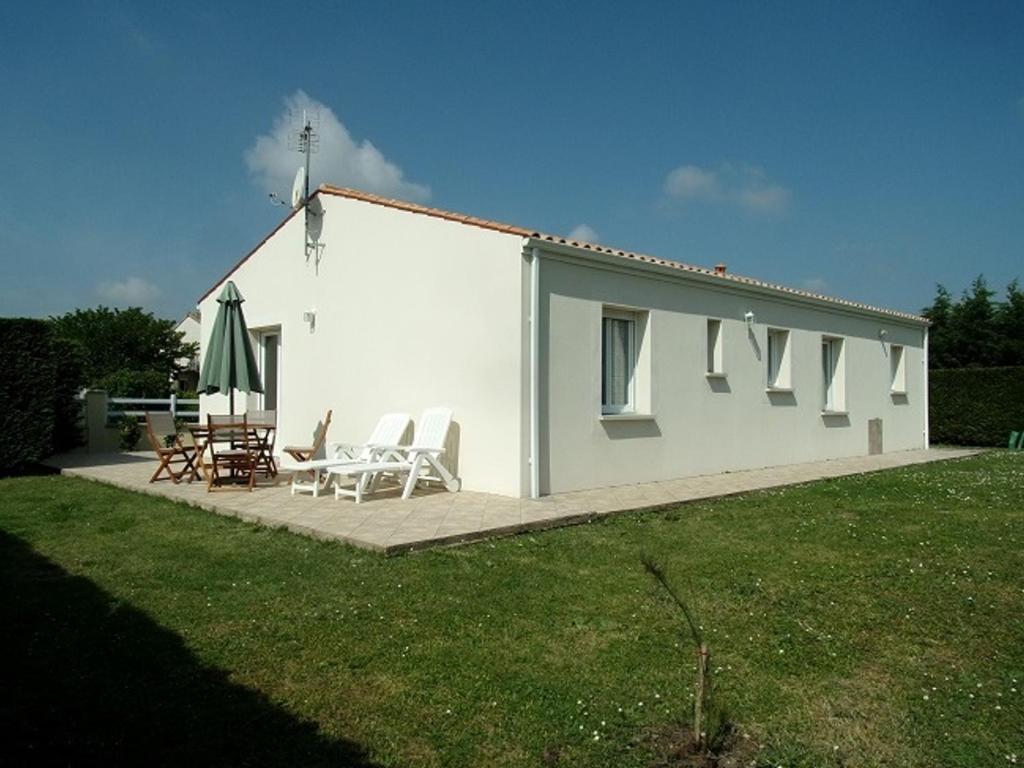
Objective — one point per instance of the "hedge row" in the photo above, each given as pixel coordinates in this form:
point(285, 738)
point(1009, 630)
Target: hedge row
point(975, 406)
point(41, 373)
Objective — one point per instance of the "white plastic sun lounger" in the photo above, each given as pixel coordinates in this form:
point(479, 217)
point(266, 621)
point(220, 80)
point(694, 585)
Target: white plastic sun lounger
point(380, 446)
point(411, 461)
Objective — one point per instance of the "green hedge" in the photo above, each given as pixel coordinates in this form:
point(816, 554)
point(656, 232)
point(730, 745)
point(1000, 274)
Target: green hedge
point(38, 381)
point(975, 406)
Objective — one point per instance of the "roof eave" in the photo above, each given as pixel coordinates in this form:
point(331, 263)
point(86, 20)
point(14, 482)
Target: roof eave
point(686, 272)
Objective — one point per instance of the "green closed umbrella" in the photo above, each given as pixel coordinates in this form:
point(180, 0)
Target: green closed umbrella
point(229, 363)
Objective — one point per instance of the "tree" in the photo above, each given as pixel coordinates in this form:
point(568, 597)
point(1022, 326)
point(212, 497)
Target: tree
point(973, 326)
point(1009, 323)
point(976, 330)
point(129, 352)
point(940, 312)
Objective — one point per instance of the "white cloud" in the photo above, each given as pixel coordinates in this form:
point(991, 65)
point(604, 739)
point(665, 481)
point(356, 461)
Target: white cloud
point(340, 160)
point(688, 182)
point(132, 291)
point(744, 185)
point(584, 233)
point(814, 284)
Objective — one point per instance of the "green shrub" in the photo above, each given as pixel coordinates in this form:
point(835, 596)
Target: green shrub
point(975, 406)
point(67, 409)
point(38, 380)
point(129, 383)
point(129, 431)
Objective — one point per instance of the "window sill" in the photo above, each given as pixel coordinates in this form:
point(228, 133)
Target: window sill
point(834, 414)
point(627, 417)
point(779, 390)
point(716, 375)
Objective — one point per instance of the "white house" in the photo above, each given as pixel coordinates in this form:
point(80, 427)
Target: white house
point(190, 329)
point(636, 369)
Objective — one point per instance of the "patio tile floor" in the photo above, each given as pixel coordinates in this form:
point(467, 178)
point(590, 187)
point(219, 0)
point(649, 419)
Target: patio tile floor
point(388, 524)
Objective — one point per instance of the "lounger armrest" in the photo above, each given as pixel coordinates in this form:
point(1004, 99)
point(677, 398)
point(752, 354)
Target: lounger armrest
point(412, 450)
point(343, 450)
point(347, 447)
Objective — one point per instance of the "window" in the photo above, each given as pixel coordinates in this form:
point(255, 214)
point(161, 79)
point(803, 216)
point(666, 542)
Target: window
point(618, 362)
point(832, 376)
point(714, 362)
point(270, 368)
point(898, 371)
point(778, 359)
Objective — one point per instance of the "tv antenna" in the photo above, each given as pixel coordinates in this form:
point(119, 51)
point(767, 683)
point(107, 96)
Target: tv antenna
point(304, 138)
point(307, 141)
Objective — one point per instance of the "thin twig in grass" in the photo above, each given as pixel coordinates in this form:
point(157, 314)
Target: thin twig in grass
point(706, 718)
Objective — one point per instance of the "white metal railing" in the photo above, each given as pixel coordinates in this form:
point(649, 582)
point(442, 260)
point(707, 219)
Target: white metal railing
point(172, 404)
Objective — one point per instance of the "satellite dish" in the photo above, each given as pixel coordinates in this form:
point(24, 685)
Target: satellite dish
point(299, 187)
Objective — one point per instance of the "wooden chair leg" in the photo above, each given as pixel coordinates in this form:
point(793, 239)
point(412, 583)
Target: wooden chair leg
point(165, 464)
point(190, 466)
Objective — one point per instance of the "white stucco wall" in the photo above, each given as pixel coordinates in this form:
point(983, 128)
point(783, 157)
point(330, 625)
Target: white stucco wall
point(412, 311)
point(702, 425)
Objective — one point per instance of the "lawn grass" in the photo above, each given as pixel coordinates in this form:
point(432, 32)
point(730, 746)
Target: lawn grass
point(864, 621)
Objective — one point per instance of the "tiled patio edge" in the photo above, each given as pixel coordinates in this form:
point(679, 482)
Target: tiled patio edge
point(212, 506)
point(546, 514)
point(588, 517)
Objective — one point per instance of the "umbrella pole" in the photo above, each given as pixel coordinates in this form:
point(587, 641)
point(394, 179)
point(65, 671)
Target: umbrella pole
point(231, 401)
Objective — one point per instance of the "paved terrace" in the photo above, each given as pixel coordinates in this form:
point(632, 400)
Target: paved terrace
point(432, 518)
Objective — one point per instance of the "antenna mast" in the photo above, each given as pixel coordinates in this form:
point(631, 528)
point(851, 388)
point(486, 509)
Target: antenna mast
point(306, 140)
point(308, 143)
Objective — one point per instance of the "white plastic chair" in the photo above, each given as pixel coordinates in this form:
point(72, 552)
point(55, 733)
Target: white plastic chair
point(412, 461)
point(388, 433)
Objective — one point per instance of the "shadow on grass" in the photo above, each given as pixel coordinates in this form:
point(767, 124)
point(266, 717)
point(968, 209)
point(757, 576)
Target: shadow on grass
point(29, 470)
point(86, 680)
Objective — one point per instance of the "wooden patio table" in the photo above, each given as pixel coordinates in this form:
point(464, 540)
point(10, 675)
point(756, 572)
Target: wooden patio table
point(260, 436)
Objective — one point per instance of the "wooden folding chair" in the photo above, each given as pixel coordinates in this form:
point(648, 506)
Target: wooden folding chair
point(264, 426)
point(307, 452)
point(169, 448)
point(236, 462)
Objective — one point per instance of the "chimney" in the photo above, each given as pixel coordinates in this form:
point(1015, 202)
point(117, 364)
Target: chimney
point(720, 269)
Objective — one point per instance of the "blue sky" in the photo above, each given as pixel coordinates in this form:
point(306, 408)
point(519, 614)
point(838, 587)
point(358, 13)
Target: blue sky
point(863, 150)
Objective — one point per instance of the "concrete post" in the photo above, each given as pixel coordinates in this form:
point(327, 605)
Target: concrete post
point(96, 420)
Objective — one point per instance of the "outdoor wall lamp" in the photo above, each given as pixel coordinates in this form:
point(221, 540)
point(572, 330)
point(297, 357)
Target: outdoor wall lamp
point(310, 317)
point(749, 317)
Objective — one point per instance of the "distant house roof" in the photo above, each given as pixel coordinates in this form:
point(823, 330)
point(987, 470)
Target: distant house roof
point(511, 229)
